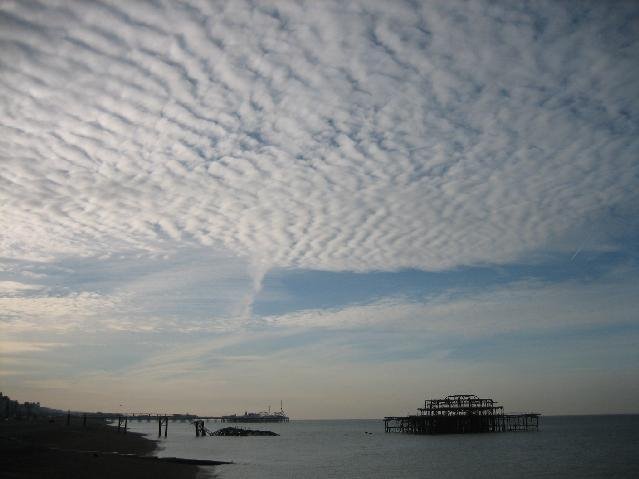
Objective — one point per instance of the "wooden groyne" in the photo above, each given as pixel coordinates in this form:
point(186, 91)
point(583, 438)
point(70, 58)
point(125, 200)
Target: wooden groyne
point(461, 413)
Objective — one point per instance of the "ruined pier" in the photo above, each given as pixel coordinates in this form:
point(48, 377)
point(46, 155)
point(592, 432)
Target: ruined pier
point(461, 413)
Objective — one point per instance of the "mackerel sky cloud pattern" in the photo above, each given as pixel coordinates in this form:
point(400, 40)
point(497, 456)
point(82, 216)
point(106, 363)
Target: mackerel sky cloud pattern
point(324, 135)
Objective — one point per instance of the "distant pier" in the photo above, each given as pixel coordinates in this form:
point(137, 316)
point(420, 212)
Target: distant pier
point(198, 421)
point(259, 417)
point(461, 413)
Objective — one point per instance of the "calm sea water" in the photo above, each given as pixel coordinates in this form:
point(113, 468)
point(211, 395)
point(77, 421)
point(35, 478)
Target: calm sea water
point(565, 446)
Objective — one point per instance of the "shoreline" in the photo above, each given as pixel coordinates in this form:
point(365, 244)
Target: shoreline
point(38, 448)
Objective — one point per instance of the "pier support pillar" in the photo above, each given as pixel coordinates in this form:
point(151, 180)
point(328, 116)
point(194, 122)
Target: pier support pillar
point(163, 420)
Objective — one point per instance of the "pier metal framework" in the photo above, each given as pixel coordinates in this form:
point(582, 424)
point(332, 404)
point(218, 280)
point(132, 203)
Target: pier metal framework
point(461, 413)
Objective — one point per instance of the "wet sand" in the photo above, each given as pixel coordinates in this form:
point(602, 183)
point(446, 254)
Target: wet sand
point(41, 449)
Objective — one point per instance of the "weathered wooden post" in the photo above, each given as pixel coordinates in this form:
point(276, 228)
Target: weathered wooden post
point(122, 423)
point(200, 430)
point(69, 417)
point(162, 420)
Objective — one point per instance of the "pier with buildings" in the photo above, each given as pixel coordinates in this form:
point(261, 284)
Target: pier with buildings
point(461, 413)
point(256, 417)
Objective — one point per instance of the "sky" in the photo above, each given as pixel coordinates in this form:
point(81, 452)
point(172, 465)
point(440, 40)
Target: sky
point(346, 206)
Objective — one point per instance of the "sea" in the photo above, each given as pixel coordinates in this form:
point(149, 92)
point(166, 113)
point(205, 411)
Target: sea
point(564, 446)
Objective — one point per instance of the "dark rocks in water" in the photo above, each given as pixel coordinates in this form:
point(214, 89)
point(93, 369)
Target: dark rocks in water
point(237, 431)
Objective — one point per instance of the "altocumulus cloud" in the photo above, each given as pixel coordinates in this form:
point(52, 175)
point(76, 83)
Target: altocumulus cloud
point(327, 135)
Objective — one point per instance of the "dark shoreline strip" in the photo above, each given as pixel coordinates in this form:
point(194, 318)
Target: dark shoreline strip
point(178, 460)
point(196, 462)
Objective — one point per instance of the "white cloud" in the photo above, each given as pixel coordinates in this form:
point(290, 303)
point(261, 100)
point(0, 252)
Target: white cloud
point(53, 313)
point(322, 135)
point(521, 308)
point(184, 291)
point(13, 347)
point(12, 288)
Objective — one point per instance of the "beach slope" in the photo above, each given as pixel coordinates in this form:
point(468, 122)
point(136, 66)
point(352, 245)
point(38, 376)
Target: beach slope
point(39, 448)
